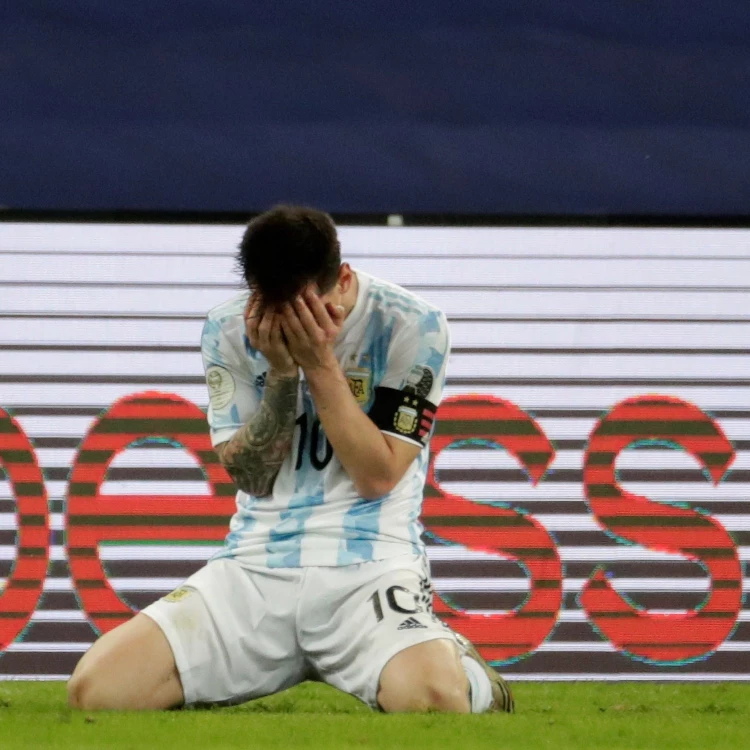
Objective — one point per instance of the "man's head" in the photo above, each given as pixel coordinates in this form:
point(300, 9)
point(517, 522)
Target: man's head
point(288, 248)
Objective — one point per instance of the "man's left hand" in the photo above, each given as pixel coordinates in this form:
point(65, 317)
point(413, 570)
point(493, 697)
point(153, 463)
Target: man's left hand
point(311, 328)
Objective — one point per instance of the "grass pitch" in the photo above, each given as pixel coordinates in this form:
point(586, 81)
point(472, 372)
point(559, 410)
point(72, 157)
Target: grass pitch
point(562, 715)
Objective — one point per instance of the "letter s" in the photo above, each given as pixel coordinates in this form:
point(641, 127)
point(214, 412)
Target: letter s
point(662, 638)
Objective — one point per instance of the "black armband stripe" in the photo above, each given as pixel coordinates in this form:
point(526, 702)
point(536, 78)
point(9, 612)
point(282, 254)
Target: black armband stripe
point(403, 413)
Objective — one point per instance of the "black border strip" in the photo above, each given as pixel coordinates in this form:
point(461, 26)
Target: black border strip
point(128, 216)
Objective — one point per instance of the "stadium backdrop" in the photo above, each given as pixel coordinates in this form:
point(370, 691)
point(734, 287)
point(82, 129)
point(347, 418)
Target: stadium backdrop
point(587, 509)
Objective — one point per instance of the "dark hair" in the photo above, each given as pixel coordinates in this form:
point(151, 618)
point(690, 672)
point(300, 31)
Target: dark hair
point(286, 248)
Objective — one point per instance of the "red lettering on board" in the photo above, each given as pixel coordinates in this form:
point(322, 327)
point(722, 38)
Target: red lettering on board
point(658, 526)
point(501, 531)
point(94, 518)
point(25, 583)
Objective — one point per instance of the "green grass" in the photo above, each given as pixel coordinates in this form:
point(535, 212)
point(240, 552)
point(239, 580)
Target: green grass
point(567, 715)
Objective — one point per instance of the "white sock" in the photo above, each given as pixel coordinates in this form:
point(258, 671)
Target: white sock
point(479, 683)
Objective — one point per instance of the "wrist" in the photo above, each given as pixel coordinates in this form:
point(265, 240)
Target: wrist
point(324, 370)
point(283, 373)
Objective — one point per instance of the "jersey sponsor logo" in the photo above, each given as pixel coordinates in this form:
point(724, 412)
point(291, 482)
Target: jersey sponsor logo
point(183, 592)
point(359, 384)
point(221, 386)
point(411, 623)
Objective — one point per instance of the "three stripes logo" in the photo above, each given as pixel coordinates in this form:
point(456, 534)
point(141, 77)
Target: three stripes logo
point(411, 623)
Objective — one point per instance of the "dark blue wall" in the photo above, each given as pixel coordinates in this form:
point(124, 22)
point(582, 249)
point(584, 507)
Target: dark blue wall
point(539, 106)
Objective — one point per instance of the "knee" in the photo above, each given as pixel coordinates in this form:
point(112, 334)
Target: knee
point(448, 697)
point(78, 690)
point(85, 693)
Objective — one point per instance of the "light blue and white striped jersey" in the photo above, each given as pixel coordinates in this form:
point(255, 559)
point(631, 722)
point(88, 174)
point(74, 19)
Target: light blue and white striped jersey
point(394, 345)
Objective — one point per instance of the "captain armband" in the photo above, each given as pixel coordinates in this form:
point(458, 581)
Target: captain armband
point(407, 415)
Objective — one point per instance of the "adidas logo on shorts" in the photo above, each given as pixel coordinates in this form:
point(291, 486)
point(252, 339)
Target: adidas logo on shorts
point(410, 624)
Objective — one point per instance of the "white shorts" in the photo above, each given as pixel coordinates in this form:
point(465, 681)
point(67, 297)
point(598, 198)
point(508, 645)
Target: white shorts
point(240, 633)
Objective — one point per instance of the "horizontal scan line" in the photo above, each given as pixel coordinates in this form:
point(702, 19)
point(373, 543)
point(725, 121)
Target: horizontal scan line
point(57, 315)
point(395, 256)
point(600, 382)
point(175, 256)
point(589, 288)
point(600, 350)
point(549, 647)
point(512, 479)
point(94, 411)
point(620, 319)
point(126, 284)
point(573, 351)
point(569, 585)
point(489, 585)
point(26, 378)
point(47, 441)
point(617, 320)
point(31, 348)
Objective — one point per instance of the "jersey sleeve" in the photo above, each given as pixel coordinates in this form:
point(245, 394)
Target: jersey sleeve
point(232, 395)
point(408, 395)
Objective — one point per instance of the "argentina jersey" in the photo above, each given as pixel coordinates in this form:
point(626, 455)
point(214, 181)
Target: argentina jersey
point(393, 349)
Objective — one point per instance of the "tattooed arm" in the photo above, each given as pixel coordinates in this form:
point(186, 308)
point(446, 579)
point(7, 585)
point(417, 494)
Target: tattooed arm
point(254, 454)
point(256, 451)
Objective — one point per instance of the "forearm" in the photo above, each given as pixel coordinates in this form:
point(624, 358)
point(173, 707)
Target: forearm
point(357, 443)
point(256, 451)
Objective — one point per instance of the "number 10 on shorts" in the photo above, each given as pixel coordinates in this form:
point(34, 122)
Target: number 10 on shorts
point(404, 595)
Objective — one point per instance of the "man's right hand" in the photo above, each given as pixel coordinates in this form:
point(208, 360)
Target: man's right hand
point(263, 328)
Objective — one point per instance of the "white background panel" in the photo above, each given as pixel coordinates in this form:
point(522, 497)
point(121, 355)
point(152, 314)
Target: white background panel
point(40, 331)
point(489, 270)
point(451, 241)
point(610, 335)
point(604, 397)
point(590, 396)
point(653, 460)
point(552, 335)
point(455, 303)
point(579, 273)
point(89, 394)
point(161, 363)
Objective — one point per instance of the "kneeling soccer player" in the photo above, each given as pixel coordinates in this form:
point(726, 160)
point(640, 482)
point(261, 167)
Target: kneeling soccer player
point(323, 382)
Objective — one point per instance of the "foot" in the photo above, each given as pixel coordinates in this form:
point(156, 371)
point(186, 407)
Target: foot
point(502, 698)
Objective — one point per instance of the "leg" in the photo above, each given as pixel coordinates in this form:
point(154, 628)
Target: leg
point(129, 668)
point(425, 677)
point(369, 630)
point(226, 636)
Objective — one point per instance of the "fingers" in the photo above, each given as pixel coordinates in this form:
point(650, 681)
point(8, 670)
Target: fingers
point(264, 331)
point(292, 326)
point(253, 308)
point(319, 312)
point(303, 325)
point(277, 340)
point(337, 313)
point(305, 316)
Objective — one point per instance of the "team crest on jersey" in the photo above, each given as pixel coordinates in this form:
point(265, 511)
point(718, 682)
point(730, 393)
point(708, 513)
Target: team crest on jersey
point(179, 594)
point(359, 384)
point(405, 419)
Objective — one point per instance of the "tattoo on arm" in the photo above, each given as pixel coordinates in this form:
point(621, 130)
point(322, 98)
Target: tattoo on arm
point(255, 453)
